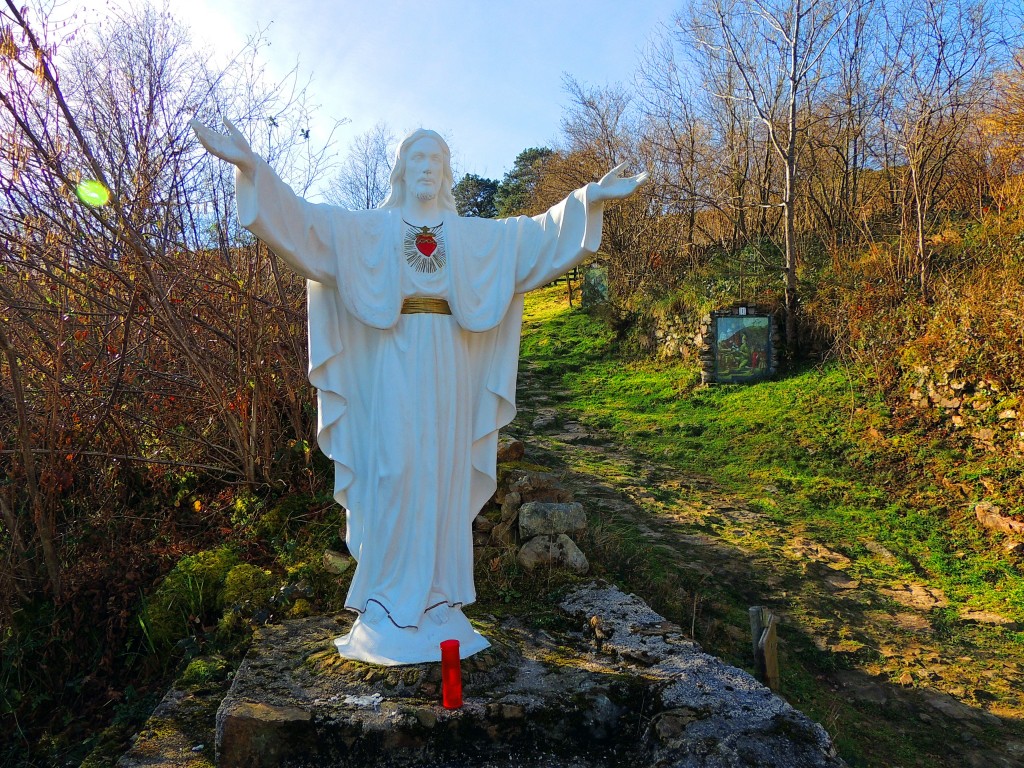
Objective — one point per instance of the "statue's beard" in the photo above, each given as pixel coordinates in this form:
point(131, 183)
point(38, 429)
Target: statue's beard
point(425, 196)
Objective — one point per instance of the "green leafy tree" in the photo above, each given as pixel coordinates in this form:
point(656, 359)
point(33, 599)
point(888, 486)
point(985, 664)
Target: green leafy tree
point(474, 196)
point(515, 192)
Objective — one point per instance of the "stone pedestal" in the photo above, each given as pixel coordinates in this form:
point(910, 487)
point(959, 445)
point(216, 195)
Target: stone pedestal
point(634, 693)
point(296, 702)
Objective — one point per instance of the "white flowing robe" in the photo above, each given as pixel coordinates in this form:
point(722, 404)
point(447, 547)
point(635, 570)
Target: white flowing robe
point(410, 405)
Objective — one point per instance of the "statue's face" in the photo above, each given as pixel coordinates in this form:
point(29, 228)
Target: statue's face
point(424, 168)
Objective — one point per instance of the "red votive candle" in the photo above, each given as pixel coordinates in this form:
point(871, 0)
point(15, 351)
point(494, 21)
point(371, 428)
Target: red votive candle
point(451, 675)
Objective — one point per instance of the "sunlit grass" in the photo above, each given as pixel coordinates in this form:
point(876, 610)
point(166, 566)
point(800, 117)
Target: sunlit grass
point(818, 446)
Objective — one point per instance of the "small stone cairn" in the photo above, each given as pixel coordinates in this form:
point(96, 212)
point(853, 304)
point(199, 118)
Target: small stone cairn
point(537, 515)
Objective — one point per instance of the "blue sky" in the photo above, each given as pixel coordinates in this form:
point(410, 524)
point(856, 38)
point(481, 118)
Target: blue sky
point(486, 75)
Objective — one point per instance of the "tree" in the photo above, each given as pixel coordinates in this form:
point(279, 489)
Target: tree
point(601, 129)
point(1006, 119)
point(1003, 124)
point(940, 54)
point(365, 175)
point(713, 158)
point(474, 196)
point(777, 48)
point(143, 340)
point(515, 191)
point(838, 124)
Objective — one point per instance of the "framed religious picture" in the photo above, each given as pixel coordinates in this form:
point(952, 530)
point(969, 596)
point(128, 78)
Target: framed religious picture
point(743, 348)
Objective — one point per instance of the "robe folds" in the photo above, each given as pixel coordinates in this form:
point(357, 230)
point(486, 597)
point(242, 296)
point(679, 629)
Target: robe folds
point(410, 405)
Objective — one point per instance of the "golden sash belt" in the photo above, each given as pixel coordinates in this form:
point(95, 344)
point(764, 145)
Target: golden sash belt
point(415, 305)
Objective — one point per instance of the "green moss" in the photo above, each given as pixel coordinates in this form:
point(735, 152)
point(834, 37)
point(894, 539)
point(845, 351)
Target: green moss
point(191, 595)
point(248, 585)
point(284, 519)
point(297, 525)
point(203, 671)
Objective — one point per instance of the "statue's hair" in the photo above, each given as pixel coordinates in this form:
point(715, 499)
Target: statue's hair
point(396, 197)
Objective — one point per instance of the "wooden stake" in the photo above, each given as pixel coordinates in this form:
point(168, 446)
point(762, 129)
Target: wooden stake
point(765, 641)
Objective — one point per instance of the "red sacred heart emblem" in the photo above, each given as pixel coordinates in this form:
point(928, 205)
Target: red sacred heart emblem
point(426, 243)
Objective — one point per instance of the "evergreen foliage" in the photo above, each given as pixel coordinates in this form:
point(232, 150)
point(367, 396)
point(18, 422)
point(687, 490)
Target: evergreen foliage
point(474, 196)
point(514, 195)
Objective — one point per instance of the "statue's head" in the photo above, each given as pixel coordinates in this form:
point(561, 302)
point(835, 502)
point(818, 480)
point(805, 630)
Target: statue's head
point(423, 166)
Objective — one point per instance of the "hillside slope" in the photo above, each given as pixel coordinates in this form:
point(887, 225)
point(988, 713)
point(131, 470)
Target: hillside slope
point(903, 618)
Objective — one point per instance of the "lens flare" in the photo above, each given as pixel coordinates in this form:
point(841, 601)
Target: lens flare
point(92, 193)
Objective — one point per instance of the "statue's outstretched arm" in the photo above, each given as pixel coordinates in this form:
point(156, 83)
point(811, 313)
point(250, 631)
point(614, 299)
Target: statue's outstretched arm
point(551, 243)
point(612, 186)
point(231, 147)
point(296, 230)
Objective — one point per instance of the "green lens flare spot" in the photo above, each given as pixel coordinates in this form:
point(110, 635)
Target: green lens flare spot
point(92, 193)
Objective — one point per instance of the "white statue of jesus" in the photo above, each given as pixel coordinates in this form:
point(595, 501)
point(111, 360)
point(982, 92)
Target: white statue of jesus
point(414, 323)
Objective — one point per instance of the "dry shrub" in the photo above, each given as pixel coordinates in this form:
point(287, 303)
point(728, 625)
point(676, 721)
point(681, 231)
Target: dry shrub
point(979, 323)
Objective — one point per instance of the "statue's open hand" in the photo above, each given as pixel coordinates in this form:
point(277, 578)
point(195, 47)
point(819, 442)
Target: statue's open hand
point(615, 187)
point(231, 147)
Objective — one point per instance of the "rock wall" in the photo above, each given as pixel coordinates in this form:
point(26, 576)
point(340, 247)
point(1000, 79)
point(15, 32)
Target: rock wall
point(980, 407)
point(674, 338)
point(532, 511)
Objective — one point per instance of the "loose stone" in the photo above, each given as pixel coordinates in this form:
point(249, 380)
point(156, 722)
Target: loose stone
point(559, 551)
point(537, 518)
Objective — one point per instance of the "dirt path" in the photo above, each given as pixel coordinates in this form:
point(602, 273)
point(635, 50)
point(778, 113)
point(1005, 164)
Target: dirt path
point(888, 667)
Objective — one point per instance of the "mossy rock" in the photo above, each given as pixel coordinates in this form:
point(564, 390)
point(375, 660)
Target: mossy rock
point(178, 732)
point(511, 471)
point(245, 584)
point(110, 745)
point(192, 592)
